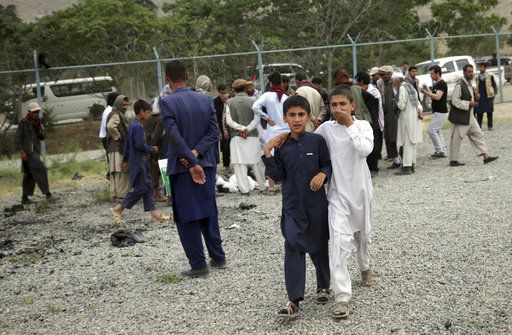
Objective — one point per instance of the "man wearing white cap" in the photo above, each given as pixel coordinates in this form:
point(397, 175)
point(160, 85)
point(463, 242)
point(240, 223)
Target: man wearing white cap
point(374, 75)
point(30, 132)
point(385, 86)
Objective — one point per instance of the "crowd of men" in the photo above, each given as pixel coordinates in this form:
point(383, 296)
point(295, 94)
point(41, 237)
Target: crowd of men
point(282, 136)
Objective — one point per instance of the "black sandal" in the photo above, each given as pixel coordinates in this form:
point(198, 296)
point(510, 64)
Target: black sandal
point(289, 311)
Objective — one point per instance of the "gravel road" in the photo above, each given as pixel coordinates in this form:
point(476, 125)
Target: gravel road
point(442, 250)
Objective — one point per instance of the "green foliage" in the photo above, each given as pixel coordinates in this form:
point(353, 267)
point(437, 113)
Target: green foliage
point(458, 17)
point(97, 31)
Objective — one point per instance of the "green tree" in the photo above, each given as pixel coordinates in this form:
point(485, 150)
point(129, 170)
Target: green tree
point(458, 17)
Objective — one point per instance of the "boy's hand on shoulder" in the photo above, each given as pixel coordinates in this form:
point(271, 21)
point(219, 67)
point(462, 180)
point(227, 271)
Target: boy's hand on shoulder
point(317, 182)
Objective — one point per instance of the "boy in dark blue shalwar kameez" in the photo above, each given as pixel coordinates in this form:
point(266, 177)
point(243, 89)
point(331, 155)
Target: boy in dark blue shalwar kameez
point(136, 157)
point(303, 164)
point(191, 123)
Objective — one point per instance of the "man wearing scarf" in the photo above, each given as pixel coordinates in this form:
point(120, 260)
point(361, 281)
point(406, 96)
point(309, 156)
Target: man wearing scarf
point(204, 85)
point(117, 132)
point(307, 90)
point(409, 133)
point(30, 132)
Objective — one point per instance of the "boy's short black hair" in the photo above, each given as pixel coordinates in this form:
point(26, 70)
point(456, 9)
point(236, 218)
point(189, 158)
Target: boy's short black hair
point(342, 90)
point(140, 105)
point(275, 78)
point(175, 70)
point(285, 79)
point(412, 67)
point(363, 77)
point(111, 98)
point(222, 87)
point(296, 101)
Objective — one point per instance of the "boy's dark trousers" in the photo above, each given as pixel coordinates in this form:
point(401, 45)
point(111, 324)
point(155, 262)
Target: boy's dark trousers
point(295, 270)
point(141, 189)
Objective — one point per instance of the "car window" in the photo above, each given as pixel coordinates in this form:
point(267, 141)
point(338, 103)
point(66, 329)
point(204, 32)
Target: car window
point(449, 67)
point(423, 69)
point(461, 63)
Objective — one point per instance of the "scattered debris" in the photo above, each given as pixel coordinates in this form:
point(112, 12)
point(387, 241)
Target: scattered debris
point(233, 226)
point(123, 238)
point(246, 206)
point(11, 211)
point(77, 176)
point(6, 244)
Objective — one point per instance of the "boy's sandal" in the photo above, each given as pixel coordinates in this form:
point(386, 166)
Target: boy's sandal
point(117, 216)
point(162, 218)
point(367, 277)
point(341, 310)
point(322, 296)
point(289, 311)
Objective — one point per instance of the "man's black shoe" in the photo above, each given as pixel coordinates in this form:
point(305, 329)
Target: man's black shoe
point(394, 166)
point(404, 171)
point(25, 200)
point(456, 163)
point(490, 159)
point(192, 273)
point(219, 264)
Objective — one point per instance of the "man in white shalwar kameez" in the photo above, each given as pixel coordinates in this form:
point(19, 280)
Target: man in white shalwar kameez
point(245, 145)
point(350, 195)
point(409, 133)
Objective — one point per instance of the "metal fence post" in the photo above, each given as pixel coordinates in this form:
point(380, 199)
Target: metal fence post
point(497, 34)
point(260, 67)
point(354, 54)
point(39, 99)
point(158, 71)
point(432, 44)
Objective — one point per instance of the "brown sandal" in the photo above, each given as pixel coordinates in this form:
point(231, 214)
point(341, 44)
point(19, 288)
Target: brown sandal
point(341, 310)
point(322, 296)
point(289, 311)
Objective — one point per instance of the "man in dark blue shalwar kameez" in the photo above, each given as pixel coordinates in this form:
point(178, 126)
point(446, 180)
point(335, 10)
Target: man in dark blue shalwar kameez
point(190, 120)
point(303, 164)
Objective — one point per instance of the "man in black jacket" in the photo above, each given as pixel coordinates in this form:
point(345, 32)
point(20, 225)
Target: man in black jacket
point(30, 132)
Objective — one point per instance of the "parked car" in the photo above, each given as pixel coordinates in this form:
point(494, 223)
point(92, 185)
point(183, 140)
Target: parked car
point(288, 69)
point(451, 67)
point(68, 98)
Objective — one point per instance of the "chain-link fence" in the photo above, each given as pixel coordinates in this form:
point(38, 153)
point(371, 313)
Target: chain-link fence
point(79, 91)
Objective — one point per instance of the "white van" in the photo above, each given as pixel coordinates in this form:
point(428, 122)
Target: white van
point(69, 98)
point(451, 67)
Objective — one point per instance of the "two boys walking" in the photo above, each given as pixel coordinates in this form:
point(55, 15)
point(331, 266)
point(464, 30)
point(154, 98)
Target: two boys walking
point(310, 217)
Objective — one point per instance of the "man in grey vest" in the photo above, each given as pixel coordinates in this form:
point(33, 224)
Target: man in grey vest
point(464, 122)
point(244, 146)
